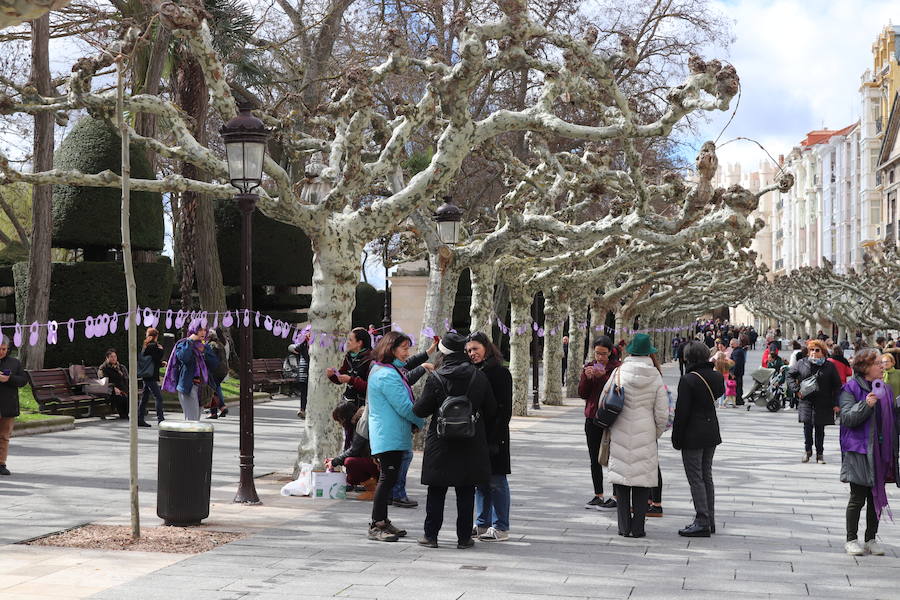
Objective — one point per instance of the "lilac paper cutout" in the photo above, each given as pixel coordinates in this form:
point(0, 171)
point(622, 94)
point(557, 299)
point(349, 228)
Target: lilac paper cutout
point(246, 317)
point(534, 326)
point(70, 326)
point(215, 319)
point(35, 331)
point(428, 332)
point(274, 327)
point(169, 319)
point(204, 318)
point(148, 317)
point(180, 316)
point(227, 319)
point(52, 336)
point(446, 324)
point(308, 328)
point(540, 332)
point(267, 322)
point(285, 329)
point(89, 327)
point(297, 337)
point(256, 320)
point(102, 327)
point(17, 337)
point(114, 322)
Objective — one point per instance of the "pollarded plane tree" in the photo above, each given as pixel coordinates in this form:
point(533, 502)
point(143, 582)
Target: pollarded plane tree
point(365, 149)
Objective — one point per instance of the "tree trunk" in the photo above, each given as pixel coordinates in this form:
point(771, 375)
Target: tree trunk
point(206, 264)
point(519, 359)
point(145, 123)
point(551, 385)
point(39, 265)
point(576, 347)
point(443, 279)
point(131, 294)
point(481, 311)
point(335, 274)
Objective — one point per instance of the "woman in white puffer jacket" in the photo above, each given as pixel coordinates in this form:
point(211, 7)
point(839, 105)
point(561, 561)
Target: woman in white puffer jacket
point(633, 460)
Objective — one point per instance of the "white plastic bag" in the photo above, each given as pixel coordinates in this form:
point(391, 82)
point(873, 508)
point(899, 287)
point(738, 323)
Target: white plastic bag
point(303, 484)
point(329, 485)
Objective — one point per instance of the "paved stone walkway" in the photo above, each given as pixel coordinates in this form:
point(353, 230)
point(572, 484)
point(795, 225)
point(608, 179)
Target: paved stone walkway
point(780, 524)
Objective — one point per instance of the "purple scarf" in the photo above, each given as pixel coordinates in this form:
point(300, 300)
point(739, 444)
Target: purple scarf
point(173, 367)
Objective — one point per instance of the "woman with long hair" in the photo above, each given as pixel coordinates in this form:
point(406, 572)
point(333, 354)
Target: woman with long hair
point(391, 421)
point(492, 500)
point(594, 376)
point(151, 357)
point(354, 371)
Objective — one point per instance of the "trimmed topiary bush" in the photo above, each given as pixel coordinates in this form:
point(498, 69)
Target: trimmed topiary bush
point(86, 289)
point(282, 254)
point(87, 217)
point(369, 306)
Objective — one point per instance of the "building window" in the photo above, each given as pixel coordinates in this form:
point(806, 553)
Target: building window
point(891, 176)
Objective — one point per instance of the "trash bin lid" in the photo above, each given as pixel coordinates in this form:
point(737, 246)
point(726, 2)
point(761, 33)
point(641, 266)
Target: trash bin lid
point(186, 426)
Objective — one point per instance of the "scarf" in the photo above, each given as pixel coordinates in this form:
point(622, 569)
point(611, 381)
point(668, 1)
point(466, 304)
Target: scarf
point(884, 445)
point(174, 366)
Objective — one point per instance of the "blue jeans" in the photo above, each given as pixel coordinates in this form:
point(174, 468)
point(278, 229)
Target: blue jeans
point(399, 490)
point(492, 503)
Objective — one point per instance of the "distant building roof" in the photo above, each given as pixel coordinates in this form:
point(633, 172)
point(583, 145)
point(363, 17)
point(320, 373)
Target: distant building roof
point(820, 136)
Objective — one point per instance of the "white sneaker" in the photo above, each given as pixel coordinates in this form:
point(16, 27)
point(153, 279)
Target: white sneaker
point(872, 547)
point(497, 535)
point(853, 548)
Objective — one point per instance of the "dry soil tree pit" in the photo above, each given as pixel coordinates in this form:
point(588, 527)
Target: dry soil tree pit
point(176, 540)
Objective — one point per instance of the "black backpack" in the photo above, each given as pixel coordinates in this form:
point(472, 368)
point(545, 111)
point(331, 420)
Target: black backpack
point(455, 418)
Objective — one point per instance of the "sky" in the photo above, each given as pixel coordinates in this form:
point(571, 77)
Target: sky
point(800, 63)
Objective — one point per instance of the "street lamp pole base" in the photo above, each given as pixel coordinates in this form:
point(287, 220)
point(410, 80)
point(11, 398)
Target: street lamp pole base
point(246, 492)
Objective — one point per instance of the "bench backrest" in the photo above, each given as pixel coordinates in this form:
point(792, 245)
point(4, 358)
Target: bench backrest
point(49, 384)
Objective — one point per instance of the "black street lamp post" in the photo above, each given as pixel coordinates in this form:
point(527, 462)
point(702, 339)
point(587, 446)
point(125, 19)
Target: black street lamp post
point(386, 318)
point(245, 148)
point(535, 352)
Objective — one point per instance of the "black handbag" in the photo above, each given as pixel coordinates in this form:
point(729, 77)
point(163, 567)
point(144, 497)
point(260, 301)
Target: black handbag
point(610, 404)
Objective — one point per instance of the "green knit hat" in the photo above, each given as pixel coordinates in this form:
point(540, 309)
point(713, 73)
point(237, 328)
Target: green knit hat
point(641, 345)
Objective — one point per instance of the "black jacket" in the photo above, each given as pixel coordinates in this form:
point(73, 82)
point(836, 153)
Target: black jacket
point(818, 408)
point(739, 356)
point(696, 424)
point(9, 391)
point(453, 463)
point(498, 435)
point(155, 352)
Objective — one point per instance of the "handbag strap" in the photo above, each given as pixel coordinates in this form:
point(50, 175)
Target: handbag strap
point(711, 395)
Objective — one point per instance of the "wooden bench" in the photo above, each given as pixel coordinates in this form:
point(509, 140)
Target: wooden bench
point(267, 374)
point(53, 391)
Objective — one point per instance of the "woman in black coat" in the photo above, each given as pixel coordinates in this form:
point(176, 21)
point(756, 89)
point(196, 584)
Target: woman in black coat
point(695, 432)
point(492, 501)
point(458, 463)
point(816, 409)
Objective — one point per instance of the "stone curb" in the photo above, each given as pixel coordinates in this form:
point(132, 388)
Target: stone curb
point(47, 425)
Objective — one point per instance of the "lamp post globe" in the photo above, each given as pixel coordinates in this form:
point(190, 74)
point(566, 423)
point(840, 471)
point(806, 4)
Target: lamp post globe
point(448, 217)
point(245, 150)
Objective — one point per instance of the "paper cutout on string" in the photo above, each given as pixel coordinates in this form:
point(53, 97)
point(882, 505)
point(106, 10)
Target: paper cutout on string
point(33, 334)
point(52, 336)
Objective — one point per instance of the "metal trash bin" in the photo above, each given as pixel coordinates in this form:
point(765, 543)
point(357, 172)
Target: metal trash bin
point(184, 472)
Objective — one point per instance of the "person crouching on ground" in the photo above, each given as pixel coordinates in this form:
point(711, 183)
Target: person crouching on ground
point(12, 377)
point(357, 459)
point(455, 458)
point(492, 501)
point(633, 459)
point(391, 421)
point(695, 431)
point(868, 448)
point(594, 376)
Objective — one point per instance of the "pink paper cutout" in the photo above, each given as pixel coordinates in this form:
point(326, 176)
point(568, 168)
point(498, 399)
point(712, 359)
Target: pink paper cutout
point(35, 331)
point(52, 336)
point(227, 320)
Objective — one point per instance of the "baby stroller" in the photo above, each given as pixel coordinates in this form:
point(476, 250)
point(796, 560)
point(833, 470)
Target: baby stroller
point(779, 394)
point(760, 394)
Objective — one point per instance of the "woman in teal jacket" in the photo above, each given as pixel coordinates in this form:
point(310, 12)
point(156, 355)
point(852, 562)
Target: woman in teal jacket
point(391, 421)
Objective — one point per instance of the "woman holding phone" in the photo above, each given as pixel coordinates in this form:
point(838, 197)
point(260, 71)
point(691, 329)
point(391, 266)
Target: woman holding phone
point(594, 376)
point(868, 448)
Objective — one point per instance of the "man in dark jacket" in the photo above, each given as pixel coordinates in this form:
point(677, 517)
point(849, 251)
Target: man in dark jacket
point(739, 356)
point(695, 431)
point(11, 379)
point(458, 463)
point(117, 376)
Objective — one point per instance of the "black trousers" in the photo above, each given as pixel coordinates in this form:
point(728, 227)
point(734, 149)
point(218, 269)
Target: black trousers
point(739, 391)
point(808, 437)
point(302, 388)
point(861, 495)
point(594, 435)
point(465, 508)
point(630, 499)
point(120, 403)
point(656, 492)
point(390, 471)
point(698, 469)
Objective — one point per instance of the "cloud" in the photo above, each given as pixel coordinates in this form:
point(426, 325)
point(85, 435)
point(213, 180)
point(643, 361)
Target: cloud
point(800, 64)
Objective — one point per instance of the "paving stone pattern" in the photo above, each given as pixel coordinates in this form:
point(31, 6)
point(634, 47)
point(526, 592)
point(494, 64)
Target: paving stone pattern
point(780, 525)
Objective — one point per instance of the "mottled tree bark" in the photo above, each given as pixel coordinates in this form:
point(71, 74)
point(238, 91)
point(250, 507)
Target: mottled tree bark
point(519, 358)
point(482, 308)
point(551, 385)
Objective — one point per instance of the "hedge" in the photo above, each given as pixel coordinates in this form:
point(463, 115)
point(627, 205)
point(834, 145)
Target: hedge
point(85, 289)
point(87, 217)
point(6, 276)
point(282, 254)
point(369, 306)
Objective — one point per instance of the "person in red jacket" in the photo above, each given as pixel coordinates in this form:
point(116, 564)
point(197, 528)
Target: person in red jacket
point(840, 363)
point(594, 376)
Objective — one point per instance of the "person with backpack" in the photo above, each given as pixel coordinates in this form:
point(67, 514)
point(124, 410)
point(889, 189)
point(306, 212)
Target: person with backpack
point(217, 375)
point(461, 403)
point(188, 368)
point(391, 422)
point(149, 362)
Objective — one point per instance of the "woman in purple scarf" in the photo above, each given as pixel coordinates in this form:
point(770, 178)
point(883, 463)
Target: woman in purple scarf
point(869, 448)
point(188, 369)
